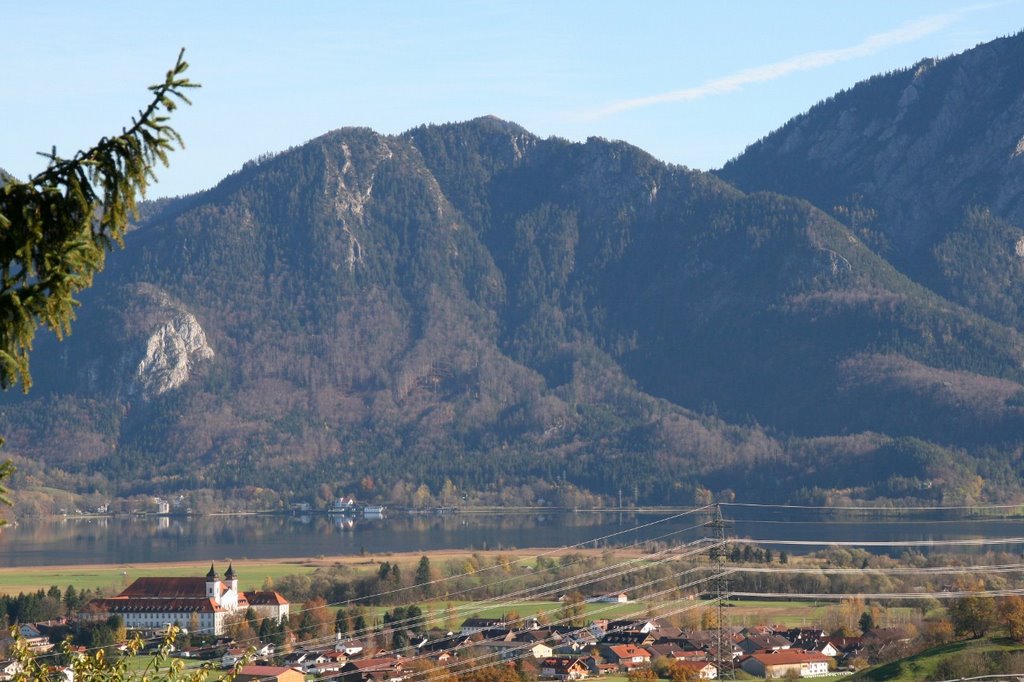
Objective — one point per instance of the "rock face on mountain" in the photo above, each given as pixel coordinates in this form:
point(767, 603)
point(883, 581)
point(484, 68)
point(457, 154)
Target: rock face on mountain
point(471, 304)
point(927, 164)
point(172, 350)
point(140, 344)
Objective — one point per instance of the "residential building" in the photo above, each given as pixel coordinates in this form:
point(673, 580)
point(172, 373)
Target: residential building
point(8, 669)
point(755, 642)
point(471, 626)
point(387, 669)
point(780, 662)
point(572, 668)
point(626, 656)
point(702, 670)
point(269, 673)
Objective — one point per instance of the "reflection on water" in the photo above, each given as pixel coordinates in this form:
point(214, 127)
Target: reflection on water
point(121, 540)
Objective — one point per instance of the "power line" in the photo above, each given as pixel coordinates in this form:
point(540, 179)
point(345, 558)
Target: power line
point(966, 542)
point(522, 650)
point(894, 570)
point(830, 596)
point(644, 561)
point(833, 508)
point(692, 552)
point(475, 605)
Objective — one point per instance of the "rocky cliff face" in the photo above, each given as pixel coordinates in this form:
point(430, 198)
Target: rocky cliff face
point(152, 344)
point(172, 351)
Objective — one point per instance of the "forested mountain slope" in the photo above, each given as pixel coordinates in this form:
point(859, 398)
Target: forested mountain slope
point(926, 165)
point(523, 318)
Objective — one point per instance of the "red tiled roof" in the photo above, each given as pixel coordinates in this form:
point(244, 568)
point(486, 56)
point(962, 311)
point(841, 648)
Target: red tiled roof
point(266, 670)
point(784, 656)
point(628, 651)
point(562, 663)
point(155, 605)
point(166, 588)
point(263, 598)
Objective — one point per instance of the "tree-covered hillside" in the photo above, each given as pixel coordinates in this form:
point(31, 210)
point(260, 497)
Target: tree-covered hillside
point(926, 165)
point(523, 318)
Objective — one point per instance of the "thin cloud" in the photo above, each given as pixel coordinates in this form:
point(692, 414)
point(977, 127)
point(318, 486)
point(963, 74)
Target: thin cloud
point(809, 61)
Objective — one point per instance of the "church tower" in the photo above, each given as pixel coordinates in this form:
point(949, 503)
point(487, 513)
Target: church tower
point(213, 584)
point(232, 578)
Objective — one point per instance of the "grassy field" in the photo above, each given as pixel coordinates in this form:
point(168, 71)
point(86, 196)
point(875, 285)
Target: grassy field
point(435, 611)
point(139, 663)
point(252, 572)
point(114, 578)
point(923, 666)
point(789, 613)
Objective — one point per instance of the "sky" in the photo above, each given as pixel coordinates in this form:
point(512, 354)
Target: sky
point(692, 82)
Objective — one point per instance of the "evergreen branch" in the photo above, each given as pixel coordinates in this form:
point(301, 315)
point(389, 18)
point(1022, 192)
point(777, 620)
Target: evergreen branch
point(55, 229)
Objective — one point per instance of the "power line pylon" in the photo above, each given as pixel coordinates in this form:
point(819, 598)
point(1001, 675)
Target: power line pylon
point(723, 640)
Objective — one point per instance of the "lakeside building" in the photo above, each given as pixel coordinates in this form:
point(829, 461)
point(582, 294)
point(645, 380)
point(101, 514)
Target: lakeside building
point(153, 603)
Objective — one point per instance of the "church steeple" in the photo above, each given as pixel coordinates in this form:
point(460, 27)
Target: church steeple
point(213, 587)
point(231, 578)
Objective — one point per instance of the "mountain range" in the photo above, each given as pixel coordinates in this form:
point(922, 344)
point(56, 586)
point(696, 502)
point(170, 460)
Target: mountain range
point(471, 309)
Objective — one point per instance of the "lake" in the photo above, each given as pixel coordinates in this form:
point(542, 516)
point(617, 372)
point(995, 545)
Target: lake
point(128, 540)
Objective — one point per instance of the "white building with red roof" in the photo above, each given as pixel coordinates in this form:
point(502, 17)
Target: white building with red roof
point(780, 662)
point(153, 603)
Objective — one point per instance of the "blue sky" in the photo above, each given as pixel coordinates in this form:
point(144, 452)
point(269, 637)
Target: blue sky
point(691, 82)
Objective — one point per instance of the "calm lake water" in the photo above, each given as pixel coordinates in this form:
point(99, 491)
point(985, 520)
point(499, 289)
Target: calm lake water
point(126, 540)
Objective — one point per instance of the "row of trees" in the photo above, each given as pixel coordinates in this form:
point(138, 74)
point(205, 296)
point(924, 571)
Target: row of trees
point(42, 605)
point(976, 616)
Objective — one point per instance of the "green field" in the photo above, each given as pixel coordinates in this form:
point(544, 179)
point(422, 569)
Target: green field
point(115, 578)
point(789, 613)
point(923, 666)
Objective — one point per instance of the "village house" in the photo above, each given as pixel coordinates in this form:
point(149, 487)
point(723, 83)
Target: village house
point(780, 662)
point(644, 626)
point(626, 656)
point(847, 648)
point(37, 641)
point(385, 669)
point(269, 673)
point(676, 652)
point(321, 670)
point(235, 654)
point(305, 660)
point(632, 637)
point(507, 649)
point(756, 642)
point(702, 670)
point(614, 598)
point(563, 669)
point(471, 626)
point(449, 644)
point(8, 669)
point(155, 603)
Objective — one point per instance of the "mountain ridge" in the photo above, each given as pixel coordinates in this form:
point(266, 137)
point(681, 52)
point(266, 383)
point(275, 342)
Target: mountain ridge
point(521, 318)
point(914, 160)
